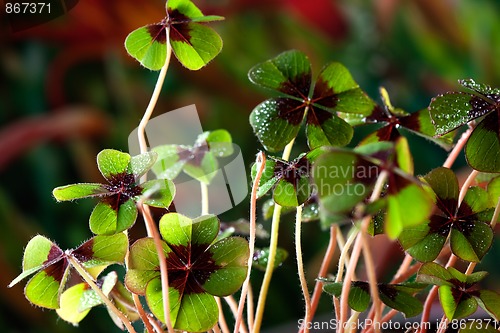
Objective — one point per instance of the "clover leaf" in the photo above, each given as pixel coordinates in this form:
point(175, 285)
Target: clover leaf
point(396, 119)
point(77, 301)
point(117, 209)
point(467, 225)
point(277, 121)
point(198, 270)
point(198, 161)
point(454, 109)
point(193, 43)
point(345, 178)
point(51, 265)
point(458, 292)
point(395, 296)
point(290, 181)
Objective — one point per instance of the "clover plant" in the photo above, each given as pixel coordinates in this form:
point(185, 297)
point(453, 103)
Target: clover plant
point(177, 276)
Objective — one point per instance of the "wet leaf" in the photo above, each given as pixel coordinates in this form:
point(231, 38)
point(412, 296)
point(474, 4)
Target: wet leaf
point(261, 257)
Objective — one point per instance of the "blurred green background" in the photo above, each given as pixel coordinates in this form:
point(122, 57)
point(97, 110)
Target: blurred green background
point(68, 90)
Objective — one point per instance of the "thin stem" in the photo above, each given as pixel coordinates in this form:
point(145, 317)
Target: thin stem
point(163, 265)
point(204, 198)
point(222, 318)
point(250, 309)
point(273, 245)
point(260, 164)
point(357, 251)
point(142, 313)
point(154, 98)
point(403, 268)
point(496, 214)
point(90, 281)
point(155, 324)
point(387, 316)
point(344, 254)
point(150, 224)
point(216, 329)
point(233, 306)
point(372, 280)
point(323, 270)
point(458, 147)
point(466, 185)
point(300, 268)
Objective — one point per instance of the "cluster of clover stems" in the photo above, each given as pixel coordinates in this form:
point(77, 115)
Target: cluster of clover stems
point(351, 249)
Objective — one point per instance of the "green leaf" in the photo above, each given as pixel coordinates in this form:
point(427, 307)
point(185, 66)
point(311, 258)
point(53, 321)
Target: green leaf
point(490, 302)
point(289, 73)
point(44, 289)
point(410, 206)
point(335, 89)
point(194, 45)
point(148, 45)
point(471, 241)
point(332, 131)
point(158, 192)
point(154, 299)
point(482, 150)
point(231, 255)
point(197, 313)
point(395, 298)
point(143, 264)
point(70, 304)
point(102, 250)
point(268, 179)
point(284, 194)
point(140, 164)
point(112, 162)
point(261, 258)
point(168, 164)
point(220, 143)
point(105, 220)
point(450, 111)
point(39, 253)
point(78, 191)
point(204, 230)
point(359, 294)
point(476, 200)
point(434, 274)
point(422, 243)
point(276, 122)
point(204, 171)
point(445, 184)
point(176, 229)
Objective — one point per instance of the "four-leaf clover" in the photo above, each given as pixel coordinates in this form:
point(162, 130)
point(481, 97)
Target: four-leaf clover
point(198, 270)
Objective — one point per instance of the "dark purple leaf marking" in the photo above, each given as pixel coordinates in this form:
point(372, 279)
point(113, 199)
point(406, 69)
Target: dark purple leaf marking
point(290, 110)
point(54, 253)
point(293, 171)
point(57, 269)
point(158, 32)
point(388, 291)
point(85, 251)
point(122, 187)
point(297, 86)
point(317, 116)
point(189, 267)
point(324, 95)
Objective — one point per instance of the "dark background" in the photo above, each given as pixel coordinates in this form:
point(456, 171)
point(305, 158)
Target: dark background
point(68, 89)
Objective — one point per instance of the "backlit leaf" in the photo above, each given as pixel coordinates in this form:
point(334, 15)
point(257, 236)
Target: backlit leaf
point(107, 220)
point(483, 147)
point(78, 191)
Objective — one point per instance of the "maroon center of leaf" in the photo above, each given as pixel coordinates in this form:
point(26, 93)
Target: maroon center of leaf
point(292, 172)
point(158, 32)
point(189, 267)
point(193, 155)
point(179, 26)
point(123, 187)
